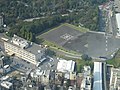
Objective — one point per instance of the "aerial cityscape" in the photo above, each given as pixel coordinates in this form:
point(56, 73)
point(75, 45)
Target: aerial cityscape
point(59, 44)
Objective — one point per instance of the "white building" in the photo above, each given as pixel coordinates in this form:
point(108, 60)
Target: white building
point(1, 21)
point(86, 82)
point(6, 69)
point(118, 23)
point(24, 49)
point(6, 84)
point(97, 84)
point(66, 66)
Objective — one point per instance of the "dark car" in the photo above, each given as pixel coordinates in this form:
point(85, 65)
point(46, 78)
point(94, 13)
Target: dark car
point(103, 57)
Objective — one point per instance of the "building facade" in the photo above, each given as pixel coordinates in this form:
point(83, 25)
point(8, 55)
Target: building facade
point(23, 49)
point(1, 21)
point(115, 79)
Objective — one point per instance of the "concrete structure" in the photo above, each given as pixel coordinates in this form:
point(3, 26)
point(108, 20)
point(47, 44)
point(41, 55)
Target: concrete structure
point(1, 21)
point(24, 49)
point(66, 66)
point(115, 79)
point(118, 23)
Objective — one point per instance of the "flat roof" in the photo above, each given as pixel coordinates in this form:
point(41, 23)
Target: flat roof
point(32, 48)
point(118, 21)
point(97, 85)
point(64, 65)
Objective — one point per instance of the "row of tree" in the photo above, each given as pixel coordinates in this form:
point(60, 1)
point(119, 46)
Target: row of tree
point(28, 30)
point(79, 12)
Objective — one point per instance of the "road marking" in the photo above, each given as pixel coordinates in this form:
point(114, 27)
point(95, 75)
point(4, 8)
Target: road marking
point(106, 37)
point(106, 41)
point(106, 45)
point(106, 49)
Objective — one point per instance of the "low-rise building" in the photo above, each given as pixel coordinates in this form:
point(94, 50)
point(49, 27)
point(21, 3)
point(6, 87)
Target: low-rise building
point(42, 76)
point(66, 66)
point(6, 69)
point(86, 81)
point(24, 49)
point(58, 78)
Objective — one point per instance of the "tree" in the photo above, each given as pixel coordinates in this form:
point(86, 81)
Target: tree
point(86, 57)
point(50, 52)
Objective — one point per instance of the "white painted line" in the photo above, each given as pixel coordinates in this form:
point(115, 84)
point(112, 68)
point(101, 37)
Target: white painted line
point(106, 49)
point(106, 45)
point(106, 37)
point(106, 41)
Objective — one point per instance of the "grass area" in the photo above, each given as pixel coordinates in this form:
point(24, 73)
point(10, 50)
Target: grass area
point(82, 63)
point(54, 46)
point(116, 60)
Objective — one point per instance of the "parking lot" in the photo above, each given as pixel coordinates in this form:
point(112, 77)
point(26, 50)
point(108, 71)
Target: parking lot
point(94, 44)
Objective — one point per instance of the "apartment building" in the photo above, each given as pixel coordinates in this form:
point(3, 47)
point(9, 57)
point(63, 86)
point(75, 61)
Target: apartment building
point(115, 79)
point(24, 49)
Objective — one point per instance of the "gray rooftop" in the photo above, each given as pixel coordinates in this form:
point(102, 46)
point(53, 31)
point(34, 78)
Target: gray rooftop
point(32, 48)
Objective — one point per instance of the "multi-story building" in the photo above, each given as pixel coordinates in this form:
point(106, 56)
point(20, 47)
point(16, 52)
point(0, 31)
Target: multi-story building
point(24, 49)
point(115, 79)
point(1, 21)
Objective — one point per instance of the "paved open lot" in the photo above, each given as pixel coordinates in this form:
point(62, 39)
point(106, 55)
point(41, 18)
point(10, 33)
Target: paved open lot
point(61, 35)
point(94, 44)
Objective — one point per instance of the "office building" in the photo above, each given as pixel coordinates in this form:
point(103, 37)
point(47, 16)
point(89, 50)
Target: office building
point(24, 49)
